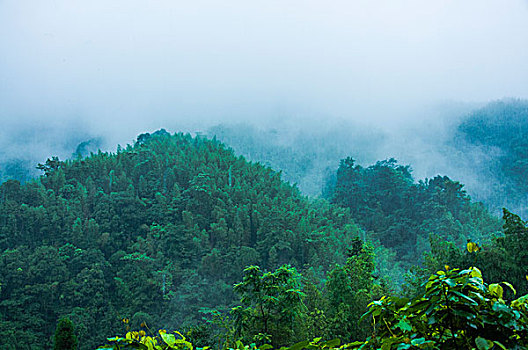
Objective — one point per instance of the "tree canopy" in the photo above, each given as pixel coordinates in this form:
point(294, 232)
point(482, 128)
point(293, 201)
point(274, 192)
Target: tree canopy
point(157, 230)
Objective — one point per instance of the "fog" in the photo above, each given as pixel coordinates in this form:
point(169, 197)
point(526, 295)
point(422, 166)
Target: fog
point(72, 70)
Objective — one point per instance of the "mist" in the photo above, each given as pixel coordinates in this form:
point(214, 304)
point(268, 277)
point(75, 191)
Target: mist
point(74, 70)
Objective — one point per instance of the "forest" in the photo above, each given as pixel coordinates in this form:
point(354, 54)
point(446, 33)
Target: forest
point(177, 241)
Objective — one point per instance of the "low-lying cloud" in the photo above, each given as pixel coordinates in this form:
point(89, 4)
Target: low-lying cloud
point(73, 70)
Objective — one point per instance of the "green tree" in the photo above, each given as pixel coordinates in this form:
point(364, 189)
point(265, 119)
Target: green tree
point(505, 257)
point(65, 338)
point(499, 131)
point(272, 305)
point(349, 289)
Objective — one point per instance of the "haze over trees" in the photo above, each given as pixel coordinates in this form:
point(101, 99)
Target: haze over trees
point(263, 175)
point(500, 130)
point(176, 228)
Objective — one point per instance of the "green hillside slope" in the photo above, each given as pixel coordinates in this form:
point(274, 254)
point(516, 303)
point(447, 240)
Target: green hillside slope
point(153, 232)
point(401, 214)
point(500, 131)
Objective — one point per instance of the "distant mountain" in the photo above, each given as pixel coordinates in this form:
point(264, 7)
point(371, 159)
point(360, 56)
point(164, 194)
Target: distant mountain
point(22, 146)
point(385, 201)
point(304, 153)
point(17, 169)
point(500, 132)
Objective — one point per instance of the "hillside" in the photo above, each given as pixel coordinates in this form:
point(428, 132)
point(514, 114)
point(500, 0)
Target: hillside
point(151, 233)
point(500, 131)
point(402, 215)
point(304, 153)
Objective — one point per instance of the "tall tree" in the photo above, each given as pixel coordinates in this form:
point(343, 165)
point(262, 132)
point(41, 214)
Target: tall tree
point(65, 338)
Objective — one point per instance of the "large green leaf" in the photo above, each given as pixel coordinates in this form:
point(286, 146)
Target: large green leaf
point(404, 325)
point(483, 344)
point(496, 290)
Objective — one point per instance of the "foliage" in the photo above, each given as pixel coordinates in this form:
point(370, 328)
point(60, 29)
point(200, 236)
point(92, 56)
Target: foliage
point(140, 340)
point(272, 305)
point(65, 338)
point(161, 228)
point(165, 227)
point(135, 340)
point(349, 289)
point(505, 257)
point(220, 327)
point(455, 310)
point(401, 214)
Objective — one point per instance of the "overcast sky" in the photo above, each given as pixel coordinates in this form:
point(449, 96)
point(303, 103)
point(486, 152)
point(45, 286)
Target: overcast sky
point(134, 65)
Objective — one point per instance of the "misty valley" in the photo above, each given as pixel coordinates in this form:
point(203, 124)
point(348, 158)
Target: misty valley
point(244, 238)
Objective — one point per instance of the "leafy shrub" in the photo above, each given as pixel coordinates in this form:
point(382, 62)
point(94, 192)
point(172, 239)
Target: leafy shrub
point(456, 310)
point(140, 340)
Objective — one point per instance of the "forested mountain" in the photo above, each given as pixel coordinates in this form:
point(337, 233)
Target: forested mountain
point(305, 154)
point(499, 130)
point(21, 170)
point(151, 233)
point(401, 214)
point(160, 231)
point(485, 148)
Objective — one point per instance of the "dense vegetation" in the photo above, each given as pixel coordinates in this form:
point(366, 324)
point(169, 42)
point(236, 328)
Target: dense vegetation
point(487, 147)
point(454, 309)
point(504, 258)
point(157, 234)
point(154, 232)
point(65, 338)
point(401, 214)
point(499, 131)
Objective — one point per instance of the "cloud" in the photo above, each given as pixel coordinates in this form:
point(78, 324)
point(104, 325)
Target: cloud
point(118, 68)
point(135, 61)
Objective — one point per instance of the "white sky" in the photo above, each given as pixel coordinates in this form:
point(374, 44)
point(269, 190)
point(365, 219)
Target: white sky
point(133, 65)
